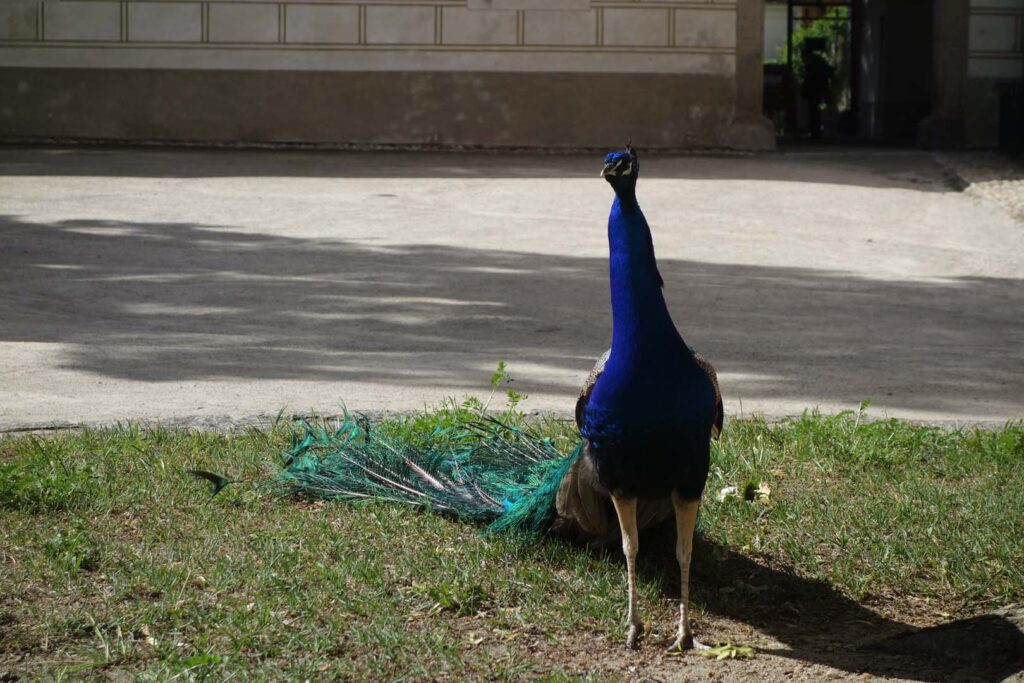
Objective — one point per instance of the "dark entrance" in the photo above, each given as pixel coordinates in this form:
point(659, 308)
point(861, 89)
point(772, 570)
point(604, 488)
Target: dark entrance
point(851, 70)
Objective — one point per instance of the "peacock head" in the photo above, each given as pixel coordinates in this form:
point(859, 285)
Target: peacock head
point(621, 169)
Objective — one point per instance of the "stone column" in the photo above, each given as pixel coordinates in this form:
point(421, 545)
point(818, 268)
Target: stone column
point(750, 129)
point(944, 127)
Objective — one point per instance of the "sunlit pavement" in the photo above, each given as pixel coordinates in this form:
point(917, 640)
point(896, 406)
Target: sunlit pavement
point(165, 284)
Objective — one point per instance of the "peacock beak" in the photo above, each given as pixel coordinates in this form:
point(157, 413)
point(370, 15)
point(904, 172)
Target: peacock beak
point(609, 169)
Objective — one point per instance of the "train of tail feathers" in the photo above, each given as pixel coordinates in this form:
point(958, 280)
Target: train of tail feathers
point(647, 414)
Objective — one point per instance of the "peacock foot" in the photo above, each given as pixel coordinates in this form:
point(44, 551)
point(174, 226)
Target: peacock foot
point(687, 642)
point(634, 635)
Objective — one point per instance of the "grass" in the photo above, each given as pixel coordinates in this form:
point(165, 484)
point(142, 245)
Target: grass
point(114, 562)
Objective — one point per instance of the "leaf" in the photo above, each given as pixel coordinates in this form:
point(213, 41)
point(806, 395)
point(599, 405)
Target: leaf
point(755, 491)
point(499, 374)
point(728, 651)
point(763, 492)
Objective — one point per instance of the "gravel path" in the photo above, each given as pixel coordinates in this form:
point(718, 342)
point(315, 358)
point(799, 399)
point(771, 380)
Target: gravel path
point(989, 176)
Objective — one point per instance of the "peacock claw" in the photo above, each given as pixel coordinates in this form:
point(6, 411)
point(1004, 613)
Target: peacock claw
point(634, 636)
point(687, 642)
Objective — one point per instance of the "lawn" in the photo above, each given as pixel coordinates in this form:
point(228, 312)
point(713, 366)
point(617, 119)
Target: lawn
point(114, 562)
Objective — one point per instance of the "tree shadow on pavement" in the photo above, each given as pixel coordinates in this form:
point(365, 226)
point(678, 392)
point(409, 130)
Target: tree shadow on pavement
point(162, 302)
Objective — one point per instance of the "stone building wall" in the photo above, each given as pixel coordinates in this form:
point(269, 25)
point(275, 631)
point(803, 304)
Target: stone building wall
point(473, 72)
point(995, 58)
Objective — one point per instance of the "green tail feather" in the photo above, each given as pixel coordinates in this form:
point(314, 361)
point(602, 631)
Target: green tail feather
point(487, 471)
point(534, 510)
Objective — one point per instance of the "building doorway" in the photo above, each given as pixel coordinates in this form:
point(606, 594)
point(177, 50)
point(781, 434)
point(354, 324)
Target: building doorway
point(848, 70)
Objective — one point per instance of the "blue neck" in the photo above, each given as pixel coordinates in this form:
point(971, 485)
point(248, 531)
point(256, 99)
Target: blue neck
point(641, 324)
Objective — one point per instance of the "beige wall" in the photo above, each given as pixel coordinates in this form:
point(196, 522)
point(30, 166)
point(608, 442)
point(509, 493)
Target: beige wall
point(675, 60)
point(996, 56)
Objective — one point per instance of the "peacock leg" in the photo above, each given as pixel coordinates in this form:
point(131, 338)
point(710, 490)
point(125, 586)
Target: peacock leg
point(625, 508)
point(686, 520)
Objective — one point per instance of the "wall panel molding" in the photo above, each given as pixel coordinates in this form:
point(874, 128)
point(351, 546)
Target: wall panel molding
point(622, 36)
point(367, 58)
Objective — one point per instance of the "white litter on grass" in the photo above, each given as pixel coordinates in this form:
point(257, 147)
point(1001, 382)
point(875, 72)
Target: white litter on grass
point(728, 492)
point(761, 494)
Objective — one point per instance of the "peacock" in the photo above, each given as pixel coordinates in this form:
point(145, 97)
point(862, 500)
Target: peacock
point(647, 414)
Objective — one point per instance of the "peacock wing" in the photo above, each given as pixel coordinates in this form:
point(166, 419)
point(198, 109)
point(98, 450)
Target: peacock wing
point(588, 387)
point(709, 370)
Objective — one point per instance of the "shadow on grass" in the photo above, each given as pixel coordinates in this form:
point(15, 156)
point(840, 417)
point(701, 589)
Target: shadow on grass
point(817, 624)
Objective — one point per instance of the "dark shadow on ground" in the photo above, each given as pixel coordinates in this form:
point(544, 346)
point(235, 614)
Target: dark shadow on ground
point(818, 624)
point(162, 302)
point(908, 169)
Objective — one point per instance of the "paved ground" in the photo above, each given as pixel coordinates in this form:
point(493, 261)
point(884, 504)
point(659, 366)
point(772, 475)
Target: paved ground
point(162, 284)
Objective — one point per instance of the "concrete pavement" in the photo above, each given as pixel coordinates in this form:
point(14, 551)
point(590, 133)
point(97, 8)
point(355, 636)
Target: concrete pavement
point(164, 284)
